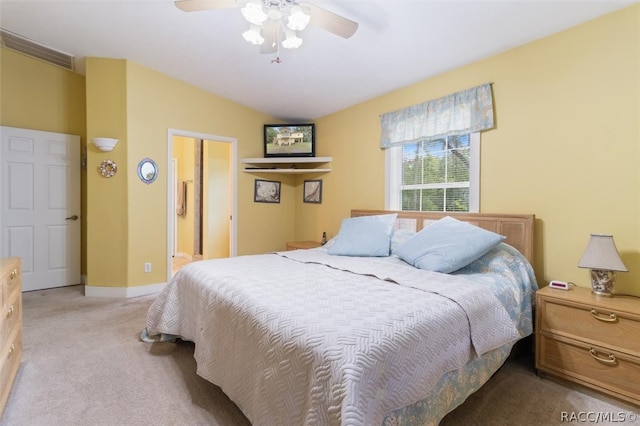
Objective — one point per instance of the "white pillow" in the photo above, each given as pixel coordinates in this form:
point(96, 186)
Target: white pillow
point(447, 245)
point(364, 236)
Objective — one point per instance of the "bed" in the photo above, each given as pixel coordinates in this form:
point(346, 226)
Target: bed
point(347, 334)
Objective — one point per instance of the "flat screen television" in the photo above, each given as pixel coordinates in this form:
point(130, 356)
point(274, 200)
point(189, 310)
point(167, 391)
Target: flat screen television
point(290, 140)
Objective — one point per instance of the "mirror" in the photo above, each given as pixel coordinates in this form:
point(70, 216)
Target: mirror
point(147, 170)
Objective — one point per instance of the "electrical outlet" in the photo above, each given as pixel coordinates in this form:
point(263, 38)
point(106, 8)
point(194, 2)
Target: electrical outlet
point(147, 267)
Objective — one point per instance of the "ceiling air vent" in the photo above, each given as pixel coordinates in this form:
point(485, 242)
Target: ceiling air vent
point(29, 47)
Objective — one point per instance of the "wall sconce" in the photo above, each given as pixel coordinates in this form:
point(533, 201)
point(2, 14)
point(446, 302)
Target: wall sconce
point(601, 256)
point(104, 144)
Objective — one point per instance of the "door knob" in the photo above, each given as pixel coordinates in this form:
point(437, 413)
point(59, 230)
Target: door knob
point(74, 217)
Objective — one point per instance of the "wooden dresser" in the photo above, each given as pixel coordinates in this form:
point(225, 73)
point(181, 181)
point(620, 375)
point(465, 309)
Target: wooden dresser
point(589, 339)
point(10, 326)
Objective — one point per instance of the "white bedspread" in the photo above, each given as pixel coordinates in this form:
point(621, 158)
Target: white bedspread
point(305, 338)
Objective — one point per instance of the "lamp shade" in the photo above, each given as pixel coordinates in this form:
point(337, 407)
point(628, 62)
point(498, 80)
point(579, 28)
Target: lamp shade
point(104, 144)
point(253, 12)
point(601, 254)
point(252, 35)
point(298, 20)
point(292, 41)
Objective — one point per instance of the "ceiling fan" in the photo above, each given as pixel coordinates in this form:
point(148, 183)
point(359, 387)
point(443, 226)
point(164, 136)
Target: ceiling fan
point(268, 18)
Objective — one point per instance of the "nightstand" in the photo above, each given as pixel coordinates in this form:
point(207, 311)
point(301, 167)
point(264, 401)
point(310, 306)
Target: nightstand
point(298, 245)
point(591, 340)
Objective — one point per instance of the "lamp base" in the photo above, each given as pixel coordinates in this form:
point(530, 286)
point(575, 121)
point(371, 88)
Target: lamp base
point(602, 282)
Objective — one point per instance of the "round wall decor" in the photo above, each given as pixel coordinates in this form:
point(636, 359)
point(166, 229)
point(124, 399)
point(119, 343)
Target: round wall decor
point(147, 170)
point(107, 168)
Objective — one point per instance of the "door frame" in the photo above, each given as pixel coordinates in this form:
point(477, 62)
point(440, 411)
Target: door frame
point(171, 133)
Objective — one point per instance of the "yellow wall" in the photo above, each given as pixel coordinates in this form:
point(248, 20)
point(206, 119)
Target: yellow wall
point(121, 99)
point(565, 105)
point(40, 96)
point(566, 146)
point(107, 205)
point(154, 104)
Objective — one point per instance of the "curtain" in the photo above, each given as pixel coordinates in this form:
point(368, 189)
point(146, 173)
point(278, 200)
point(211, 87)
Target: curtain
point(464, 112)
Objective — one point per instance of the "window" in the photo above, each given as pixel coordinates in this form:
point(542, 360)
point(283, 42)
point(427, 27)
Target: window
point(439, 175)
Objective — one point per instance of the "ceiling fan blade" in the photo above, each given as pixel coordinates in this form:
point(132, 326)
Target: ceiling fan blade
point(198, 5)
point(336, 24)
point(270, 35)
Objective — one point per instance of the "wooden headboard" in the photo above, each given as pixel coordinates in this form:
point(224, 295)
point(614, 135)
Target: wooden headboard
point(518, 228)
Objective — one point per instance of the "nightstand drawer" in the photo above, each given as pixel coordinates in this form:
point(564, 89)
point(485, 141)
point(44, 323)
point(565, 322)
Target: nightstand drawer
point(594, 324)
point(613, 371)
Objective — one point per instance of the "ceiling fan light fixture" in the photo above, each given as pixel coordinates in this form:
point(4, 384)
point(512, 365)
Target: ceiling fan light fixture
point(298, 19)
point(253, 12)
point(252, 35)
point(292, 41)
point(267, 19)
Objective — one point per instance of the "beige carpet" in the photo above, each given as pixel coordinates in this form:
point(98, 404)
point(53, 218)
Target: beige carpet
point(84, 365)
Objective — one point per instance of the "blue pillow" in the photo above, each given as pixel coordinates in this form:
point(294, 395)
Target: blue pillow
point(364, 236)
point(447, 245)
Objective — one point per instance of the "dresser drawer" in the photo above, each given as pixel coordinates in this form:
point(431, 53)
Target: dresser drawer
point(9, 364)
point(602, 368)
point(12, 286)
point(11, 283)
point(594, 324)
point(11, 319)
point(11, 356)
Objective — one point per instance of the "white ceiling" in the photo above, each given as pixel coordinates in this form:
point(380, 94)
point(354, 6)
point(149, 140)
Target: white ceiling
point(397, 43)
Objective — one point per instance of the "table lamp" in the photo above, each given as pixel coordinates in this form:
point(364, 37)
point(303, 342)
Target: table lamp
point(602, 258)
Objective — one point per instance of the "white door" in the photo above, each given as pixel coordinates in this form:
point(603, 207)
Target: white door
point(40, 205)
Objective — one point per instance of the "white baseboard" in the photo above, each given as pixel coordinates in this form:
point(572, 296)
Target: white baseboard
point(123, 292)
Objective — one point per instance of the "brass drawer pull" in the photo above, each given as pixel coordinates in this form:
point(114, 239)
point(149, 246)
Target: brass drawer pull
point(10, 312)
point(596, 315)
point(13, 274)
point(610, 360)
point(11, 350)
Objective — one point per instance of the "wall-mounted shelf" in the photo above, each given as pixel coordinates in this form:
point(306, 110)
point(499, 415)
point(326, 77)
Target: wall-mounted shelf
point(287, 165)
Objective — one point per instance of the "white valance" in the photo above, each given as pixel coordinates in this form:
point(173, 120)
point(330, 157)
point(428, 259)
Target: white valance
point(464, 112)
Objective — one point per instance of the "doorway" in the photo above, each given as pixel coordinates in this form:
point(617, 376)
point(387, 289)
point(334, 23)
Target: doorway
point(202, 198)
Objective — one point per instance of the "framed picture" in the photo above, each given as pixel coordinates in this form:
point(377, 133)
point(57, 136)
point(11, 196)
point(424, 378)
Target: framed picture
point(266, 191)
point(313, 191)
